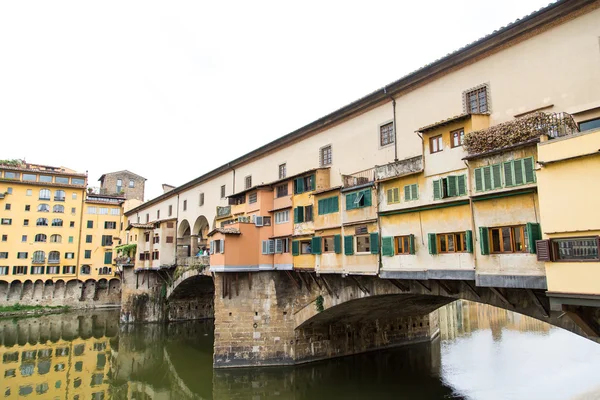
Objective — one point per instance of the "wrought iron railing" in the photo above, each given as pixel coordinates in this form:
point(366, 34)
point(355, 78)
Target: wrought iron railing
point(359, 178)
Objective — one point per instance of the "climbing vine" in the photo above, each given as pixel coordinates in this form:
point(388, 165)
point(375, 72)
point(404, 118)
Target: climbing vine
point(319, 304)
point(12, 163)
point(126, 248)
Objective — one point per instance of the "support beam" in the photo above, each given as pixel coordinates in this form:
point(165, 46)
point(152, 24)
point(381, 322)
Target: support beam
point(301, 275)
point(360, 285)
point(588, 326)
point(315, 281)
point(472, 289)
point(401, 286)
point(538, 303)
point(423, 286)
point(502, 298)
point(331, 292)
point(298, 285)
point(446, 288)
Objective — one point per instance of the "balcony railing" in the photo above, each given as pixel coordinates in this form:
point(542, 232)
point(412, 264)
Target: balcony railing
point(59, 198)
point(195, 261)
point(123, 260)
point(399, 168)
point(359, 178)
point(54, 261)
point(38, 260)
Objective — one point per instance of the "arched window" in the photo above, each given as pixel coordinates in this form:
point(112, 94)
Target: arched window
point(55, 239)
point(59, 195)
point(45, 194)
point(39, 256)
point(40, 238)
point(44, 208)
point(57, 222)
point(54, 257)
point(41, 222)
point(105, 271)
point(85, 269)
point(58, 208)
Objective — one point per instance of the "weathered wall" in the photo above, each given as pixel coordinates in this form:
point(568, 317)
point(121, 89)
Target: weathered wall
point(142, 298)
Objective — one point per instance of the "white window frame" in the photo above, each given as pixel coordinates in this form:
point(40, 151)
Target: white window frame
point(368, 237)
point(282, 217)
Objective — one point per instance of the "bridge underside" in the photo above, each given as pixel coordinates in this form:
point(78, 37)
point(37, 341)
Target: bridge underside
point(193, 298)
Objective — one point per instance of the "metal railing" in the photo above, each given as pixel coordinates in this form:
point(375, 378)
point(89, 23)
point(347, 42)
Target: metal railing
point(359, 178)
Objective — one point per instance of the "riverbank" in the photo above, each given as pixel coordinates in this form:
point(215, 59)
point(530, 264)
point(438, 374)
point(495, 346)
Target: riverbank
point(24, 310)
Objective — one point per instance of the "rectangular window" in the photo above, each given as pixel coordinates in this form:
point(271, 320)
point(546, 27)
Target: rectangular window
point(184, 205)
point(107, 240)
point(147, 237)
point(24, 238)
point(223, 191)
point(252, 198)
point(169, 239)
point(147, 218)
point(458, 137)
point(4, 270)
point(451, 242)
point(91, 210)
point(411, 192)
point(282, 190)
point(72, 224)
point(68, 269)
point(156, 239)
point(70, 239)
point(45, 178)
point(363, 244)
point(476, 101)
point(37, 270)
point(27, 207)
point(508, 239)
point(157, 214)
point(73, 196)
point(29, 192)
point(6, 221)
point(170, 210)
point(7, 207)
point(87, 254)
point(328, 244)
point(329, 205)
point(266, 221)
point(29, 177)
point(110, 225)
point(281, 217)
point(575, 249)
point(52, 270)
point(358, 199)
point(113, 211)
point(19, 270)
point(393, 195)
point(22, 254)
point(386, 134)
point(77, 181)
point(131, 183)
point(11, 175)
point(201, 200)
point(282, 171)
point(450, 186)
point(325, 156)
point(305, 247)
point(119, 185)
point(61, 179)
point(435, 144)
point(103, 211)
point(69, 256)
point(88, 238)
point(248, 182)
point(4, 238)
point(90, 224)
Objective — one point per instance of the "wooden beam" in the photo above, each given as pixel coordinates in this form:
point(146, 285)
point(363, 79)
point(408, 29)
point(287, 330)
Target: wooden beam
point(446, 288)
point(538, 303)
point(360, 285)
point(423, 286)
point(503, 298)
point(315, 281)
point(399, 285)
point(331, 292)
point(588, 327)
point(298, 285)
point(472, 289)
point(301, 275)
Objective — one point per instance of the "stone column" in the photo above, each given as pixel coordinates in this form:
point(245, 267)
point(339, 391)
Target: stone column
point(193, 245)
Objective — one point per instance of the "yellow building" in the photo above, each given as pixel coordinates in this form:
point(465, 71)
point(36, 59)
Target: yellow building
point(569, 206)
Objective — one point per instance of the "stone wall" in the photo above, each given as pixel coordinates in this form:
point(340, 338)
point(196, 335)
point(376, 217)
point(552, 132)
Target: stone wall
point(109, 184)
point(143, 297)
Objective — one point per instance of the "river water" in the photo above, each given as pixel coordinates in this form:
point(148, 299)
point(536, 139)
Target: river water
point(482, 353)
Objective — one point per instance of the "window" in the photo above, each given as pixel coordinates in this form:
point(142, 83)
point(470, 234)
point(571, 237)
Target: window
point(363, 244)
point(85, 269)
point(78, 181)
point(57, 222)
point(282, 171)
point(53, 270)
point(39, 270)
point(3, 254)
point(41, 222)
point(19, 270)
point(54, 257)
point(45, 178)
point(11, 175)
point(29, 192)
point(22, 254)
point(103, 211)
point(4, 270)
point(252, 198)
point(329, 205)
point(304, 184)
point(476, 100)
point(107, 240)
point(282, 245)
point(435, 144)
point(7, 206)
point(450, 186)
point(281, 217)
point(156, 239)
point(281, 190)
point(201, 201)
point(169, 239)
point(108, 257)
point(305, 247)
point(268, 246)
point(458, 137)
point(170, 211)
point(70, 256)
point(325, 156)
point(6, 221)
point(113, 211)
point(574, 249)
point(61, 179)
point(72, 224)
point(386, 134)
point(223, 191)
point(24, 238)
point(358, 199)
point(39, 257)
point(55, 239)
point(217, 246)
point(119, 185)
point(68, 269)
point(131, 183)
point(4, 238)
point(303, 214)
point(87, 254)
point(184, 206)
point(411, 192)
point(91, 210)
point(147, 218)
point(70, 239)
point(58, 208)
point(393, 195)
point(27, 207)
point(506, 174)
point(73, 196)
point(508, 239)
point(147, 237)
point(45, 194)
point(59, 195)
point(170, 225)
point(248, 182)
point(157, 214)
point(43, 208)
point(451, 242)
point(110, 225)
point(328, 244)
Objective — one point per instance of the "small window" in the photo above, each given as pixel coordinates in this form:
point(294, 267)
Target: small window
point(451, 242)
point(223, 191)
point(575, 249)
point(131, 183)
point(24, 238)
point(73, 196)
point(476, 100)
point(58, 208)
point(157, 214)
point(22, 255)
point(4, 238)
point(508, 239)
point(184, 207)
point(110, 225)
point(411, 192)
point(45, 178)
point(29, 192)
point(57, 222)
point(248, 182)
point(87, 254)
point(72, 224)
point(281, 190)
point(458, 137)
point(119, 185)
point(147, 218)
point(7, 207)
point(201, 201)
point(386, 134)
point(305, 247)
point(435, 144)
point(43, 208)
point(11, 175)
point(393, 195)
point(589, 125)
point(169, 239)
point(325, 156)
point(25, 222)
point(77, 181)
point(252, 198)
point(282, 171)
point(41, 222)
point(266, 221)
point(328, 244)
point(59, 195)
point(6, 221)
point(31, 177)
point(170, 211)
point(308, 213)
point(91, 210)
point(363, 244)
point(27, 207)
point(281, 217)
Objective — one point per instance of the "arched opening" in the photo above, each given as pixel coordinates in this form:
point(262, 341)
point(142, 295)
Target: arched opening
point(192, 298)
point(183, 239)
point(200, 234)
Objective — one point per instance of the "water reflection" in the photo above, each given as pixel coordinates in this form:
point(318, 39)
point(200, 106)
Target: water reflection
point(482, 353)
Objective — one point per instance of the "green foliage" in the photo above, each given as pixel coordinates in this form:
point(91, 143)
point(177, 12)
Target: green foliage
point(518, 131)
point(22, 307)
point(126, 249)
point(12, 163)
point(319, 304)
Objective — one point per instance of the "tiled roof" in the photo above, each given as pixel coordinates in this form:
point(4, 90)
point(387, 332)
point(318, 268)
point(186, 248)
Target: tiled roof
point(225, 231)
point(140, 226)
point(443, 122)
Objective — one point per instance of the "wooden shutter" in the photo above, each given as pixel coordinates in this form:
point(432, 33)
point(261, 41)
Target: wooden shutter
point(411, 244)
point(299, 186)
point(14, 270)
point(487, 178)
point(478, 180)
point(432, 242)
point(335, 204)
point(265, 247)
point(414, 191)
point(222, 248)
point(533, 234)
point(108, 258)
point(374, 240)
point(496, 176)
point(367, 197)
point(337, 244)
point(295, 248)
point(312, 182)
point(298, 214)
point(390, 196)
point(407, 193)
point(528, 167)
point(452, 186)
point(396, 195)
point(322, 204)
point(543, 250)
point(461, 183)
point(278, 246)
point(387, 246)
point(348, 245)
point(350, 201)
point(315, 245)
point(508, 174)
point(484, 240)
point(469, 240)
point(437, 189)
point(518, 169)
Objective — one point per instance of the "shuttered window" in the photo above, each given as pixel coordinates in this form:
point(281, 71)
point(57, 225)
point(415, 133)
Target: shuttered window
point(432, 243)
point(374, 239)
point(337, 244)
point(393, 195)
point(358, 199)
point(298, 214)
point(348, 245)
point(450, 186)
point(315, 245)
point(108, 258)
point(506, 174)
point(328, 205)
point(411, 192)
point(387, 246)
point(295, 248)
point(405, 244)
point(304, 184)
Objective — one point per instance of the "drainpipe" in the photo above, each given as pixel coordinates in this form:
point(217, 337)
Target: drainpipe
point(176, 229)
point(394, 116)
point(473, 226)
point(83, 196)
point(233, 185)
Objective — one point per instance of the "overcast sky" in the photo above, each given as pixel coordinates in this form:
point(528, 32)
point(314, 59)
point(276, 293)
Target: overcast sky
point(170, 90)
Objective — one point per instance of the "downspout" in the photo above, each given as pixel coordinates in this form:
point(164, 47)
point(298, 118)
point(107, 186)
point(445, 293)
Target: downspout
point(83, 196)
point(472, 209)
point(176, 229)
point(394, 117)
point(233, 185)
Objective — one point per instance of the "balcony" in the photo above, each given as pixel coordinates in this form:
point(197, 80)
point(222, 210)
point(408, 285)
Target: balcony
point(361, 178)
point(124, 261)
point(38, 260)
point(520, 131)
point(399, 168)
point(59, 198)
point(195, 261)
point(53, 261)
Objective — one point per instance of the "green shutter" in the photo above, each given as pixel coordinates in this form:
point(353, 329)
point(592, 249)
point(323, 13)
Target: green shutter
point(431, 239)
point(484, 240)
point(469, 240)
point(461, 184)
point(367, 197)
point(528, 166)
point(452, 186)
point(298, 214)
point(387, 246)
point(295, 248)
point(437, 189)
point(321, 206)
point(348, 245)
point(508, 174)
point(396, 193)
point(390, 196)
point(350, 201)
point(534, 233)
point(337, 244)
point(14, 270)
point(312, 182)
point(299, 185)
point(108, 257)
point(414, 191)
point(487, 178)
point(478, 180)
point(496, 176)
point(374, 240)
point(407, 193)
point(335, 204)
point(518, 167)
point(315, 245)
point(411, 244)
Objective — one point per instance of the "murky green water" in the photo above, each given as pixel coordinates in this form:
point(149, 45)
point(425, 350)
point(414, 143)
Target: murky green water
point(482, 353)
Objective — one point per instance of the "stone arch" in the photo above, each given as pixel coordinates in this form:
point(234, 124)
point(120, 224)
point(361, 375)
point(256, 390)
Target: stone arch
point(27, 292)
point(199, 234)
point(73, 290)
point(4, 285)
point(38, 290)
point(14, 291)
point(184, 232)
point(88, 291)
point(59, 290)
point(48, 290)
point(191, 296)
point(101, 290)
point(184, 228)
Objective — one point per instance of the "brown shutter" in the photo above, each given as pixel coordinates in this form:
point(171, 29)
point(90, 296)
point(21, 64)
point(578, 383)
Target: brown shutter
point(543, 250)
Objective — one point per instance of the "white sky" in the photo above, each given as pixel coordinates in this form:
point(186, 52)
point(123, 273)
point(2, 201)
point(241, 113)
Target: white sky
point(170, 90)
